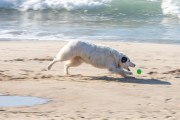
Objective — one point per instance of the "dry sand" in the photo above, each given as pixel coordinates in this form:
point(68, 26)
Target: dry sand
point(91, 93)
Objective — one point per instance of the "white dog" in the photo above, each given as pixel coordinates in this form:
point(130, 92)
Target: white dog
point(77, 52)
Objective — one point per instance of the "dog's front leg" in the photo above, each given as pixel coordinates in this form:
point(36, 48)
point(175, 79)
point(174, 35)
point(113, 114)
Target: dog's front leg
point(120, 71)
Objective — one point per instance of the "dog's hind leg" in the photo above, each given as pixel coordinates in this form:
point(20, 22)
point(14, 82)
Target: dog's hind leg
point(66, 67)
point(76, 61)
point(52, 63)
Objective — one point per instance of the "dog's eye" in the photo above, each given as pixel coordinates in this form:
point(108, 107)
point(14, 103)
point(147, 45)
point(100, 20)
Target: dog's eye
point(124, 59)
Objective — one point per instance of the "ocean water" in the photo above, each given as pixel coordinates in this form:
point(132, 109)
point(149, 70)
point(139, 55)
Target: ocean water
point(156, 21)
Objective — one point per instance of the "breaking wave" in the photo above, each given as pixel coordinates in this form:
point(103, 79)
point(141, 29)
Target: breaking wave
point(113, 7)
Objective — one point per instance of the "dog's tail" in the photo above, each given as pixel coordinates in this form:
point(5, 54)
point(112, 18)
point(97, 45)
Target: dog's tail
point(52, 63)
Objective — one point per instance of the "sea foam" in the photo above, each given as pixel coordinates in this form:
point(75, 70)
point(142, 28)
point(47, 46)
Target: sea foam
point(24, 5)
point(171, 7)
point(167, 7)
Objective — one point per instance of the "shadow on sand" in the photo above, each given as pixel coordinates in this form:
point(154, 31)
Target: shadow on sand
point(133, 80)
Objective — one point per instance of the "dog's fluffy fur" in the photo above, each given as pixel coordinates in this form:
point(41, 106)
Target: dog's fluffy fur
point(76, 52)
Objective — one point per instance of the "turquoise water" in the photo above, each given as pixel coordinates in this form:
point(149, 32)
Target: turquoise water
point(19, 101)
point(108, 20)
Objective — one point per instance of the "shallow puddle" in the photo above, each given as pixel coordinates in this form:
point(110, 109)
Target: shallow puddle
point(18, 101)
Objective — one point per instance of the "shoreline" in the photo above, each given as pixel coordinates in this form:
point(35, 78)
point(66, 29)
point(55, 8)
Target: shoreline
point(93, 41)
point(91, 93)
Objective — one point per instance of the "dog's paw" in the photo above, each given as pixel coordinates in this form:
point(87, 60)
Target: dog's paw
point(129, 73)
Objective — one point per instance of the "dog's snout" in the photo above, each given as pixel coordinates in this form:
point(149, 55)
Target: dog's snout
point(132, 65)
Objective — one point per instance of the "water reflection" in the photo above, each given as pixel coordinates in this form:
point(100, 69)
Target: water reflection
point(18, 101)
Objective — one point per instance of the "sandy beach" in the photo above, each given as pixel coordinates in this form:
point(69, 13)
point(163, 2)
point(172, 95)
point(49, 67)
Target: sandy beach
point(91, 93)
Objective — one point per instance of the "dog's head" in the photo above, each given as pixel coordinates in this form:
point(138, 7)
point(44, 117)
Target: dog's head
point(126, 63)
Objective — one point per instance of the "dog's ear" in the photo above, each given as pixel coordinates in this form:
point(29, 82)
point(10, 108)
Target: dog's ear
point(124, 59)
